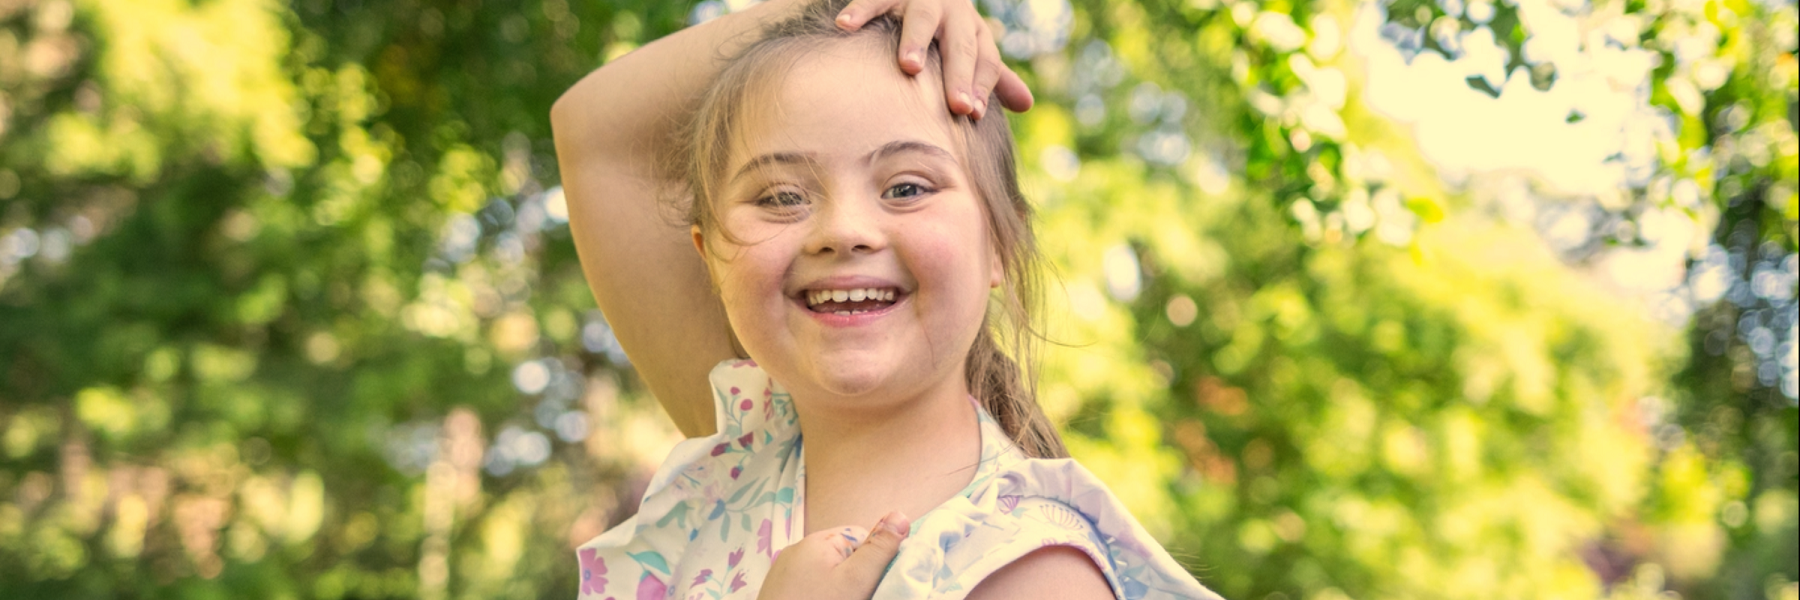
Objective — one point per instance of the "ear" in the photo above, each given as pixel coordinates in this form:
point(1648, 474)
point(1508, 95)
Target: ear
point(700, 248)
point(996, 269)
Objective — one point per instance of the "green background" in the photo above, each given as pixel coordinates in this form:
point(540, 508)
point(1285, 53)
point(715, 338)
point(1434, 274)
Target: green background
point(289, 308)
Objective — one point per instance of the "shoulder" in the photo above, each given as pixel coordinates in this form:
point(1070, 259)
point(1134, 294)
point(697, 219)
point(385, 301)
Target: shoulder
point(1062, 572)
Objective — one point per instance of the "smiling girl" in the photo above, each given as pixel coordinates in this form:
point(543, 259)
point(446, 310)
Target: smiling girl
point(835, 323)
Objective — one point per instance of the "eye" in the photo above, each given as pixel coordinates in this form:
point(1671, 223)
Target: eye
point(905, 190)
point(782, 199)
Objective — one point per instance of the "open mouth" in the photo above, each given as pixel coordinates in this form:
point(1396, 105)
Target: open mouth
point(851, 301)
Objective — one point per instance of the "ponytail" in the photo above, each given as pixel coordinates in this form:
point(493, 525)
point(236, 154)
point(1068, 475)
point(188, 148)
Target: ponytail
point(1008, 394)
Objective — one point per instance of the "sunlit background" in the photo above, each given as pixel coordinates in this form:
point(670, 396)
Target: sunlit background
point(1407, 299)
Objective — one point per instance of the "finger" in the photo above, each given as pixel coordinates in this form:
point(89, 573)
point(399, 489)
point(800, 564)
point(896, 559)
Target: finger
point(863, 570)
point(987, 73)
point(1012, 91)
point(916, 31)
point(858, 13)
point(845, 540)
point(958, 45)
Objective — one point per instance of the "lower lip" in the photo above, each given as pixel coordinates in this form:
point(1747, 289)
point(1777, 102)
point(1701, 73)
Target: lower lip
point(858, 319)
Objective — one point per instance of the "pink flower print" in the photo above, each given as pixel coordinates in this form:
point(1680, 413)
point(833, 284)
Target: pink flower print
point(593, 571)
point(737, 582)
point(745, 405)
point(747, 438)
point(712, 493)
point(764, 535)
point(720, 449)
point(734, 391)
point(651, 588)
point(735, 471)
point(732, 559)
point(704, 575)
point(1008, 502)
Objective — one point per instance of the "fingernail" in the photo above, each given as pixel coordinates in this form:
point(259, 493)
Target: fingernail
point(843, 19)
point(912, 56)
point(964, 97)
point(896, 523)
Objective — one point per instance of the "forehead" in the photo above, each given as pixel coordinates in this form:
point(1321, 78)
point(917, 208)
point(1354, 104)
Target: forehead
point(840, 100)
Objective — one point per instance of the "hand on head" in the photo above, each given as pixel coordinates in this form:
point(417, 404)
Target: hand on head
point(836, 564)
point(971, 59)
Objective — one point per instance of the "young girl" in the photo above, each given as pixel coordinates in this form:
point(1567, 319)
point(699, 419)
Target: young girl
point(857, 232)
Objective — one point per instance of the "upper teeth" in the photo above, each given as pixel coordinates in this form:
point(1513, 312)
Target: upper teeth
point(816, 297)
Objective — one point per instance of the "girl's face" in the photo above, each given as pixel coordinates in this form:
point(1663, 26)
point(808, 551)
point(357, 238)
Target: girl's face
point(861, 262)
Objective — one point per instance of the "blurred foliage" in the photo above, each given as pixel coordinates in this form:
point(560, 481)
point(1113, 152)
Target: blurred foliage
point(288, 306)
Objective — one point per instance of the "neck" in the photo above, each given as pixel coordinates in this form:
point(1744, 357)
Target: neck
point(910, 455)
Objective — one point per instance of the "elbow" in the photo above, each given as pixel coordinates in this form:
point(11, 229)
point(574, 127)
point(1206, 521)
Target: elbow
point(563, 113)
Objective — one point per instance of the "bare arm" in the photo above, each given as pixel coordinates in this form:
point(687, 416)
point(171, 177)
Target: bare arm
point(646, 276)
point(1061, 572)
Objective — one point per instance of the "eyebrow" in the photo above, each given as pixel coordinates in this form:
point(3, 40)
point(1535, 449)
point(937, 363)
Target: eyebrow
point(901, 146)
point(894, 147)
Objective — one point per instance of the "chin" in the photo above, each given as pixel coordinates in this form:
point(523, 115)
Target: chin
point(849, 380)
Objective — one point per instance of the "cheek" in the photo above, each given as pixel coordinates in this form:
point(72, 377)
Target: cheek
point(957, 258)
point(744, 276)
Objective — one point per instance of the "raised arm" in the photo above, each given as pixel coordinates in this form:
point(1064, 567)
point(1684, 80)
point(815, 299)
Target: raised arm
point(648, 280)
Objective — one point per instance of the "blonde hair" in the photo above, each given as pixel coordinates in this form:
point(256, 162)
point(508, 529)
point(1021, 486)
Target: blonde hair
point(1003, 383)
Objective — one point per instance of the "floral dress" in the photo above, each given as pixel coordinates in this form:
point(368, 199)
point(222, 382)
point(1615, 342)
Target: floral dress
point(720, 508)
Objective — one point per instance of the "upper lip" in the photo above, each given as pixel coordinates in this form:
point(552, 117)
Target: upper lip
point(847, 282)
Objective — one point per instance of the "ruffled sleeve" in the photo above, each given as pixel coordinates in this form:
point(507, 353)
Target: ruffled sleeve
point(1031, 504)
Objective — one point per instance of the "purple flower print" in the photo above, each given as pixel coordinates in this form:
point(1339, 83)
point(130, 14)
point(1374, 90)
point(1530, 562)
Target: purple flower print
point(734, 391)
point(745, 405)
point(651, 588)
point(704, 575)
point(747, 438)
point(732, 559)
point(720, 449)
point(763, 537)
point(1008, 503)
point(735, 471)
point(593, 571)
point(737, 582)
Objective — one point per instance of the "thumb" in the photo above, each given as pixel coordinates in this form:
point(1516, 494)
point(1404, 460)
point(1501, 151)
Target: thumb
point(863, 570)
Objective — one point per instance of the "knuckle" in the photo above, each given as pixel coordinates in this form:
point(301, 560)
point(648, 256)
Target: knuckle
point(965, 45)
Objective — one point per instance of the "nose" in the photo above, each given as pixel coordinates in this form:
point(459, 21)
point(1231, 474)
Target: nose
point(847, 225)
